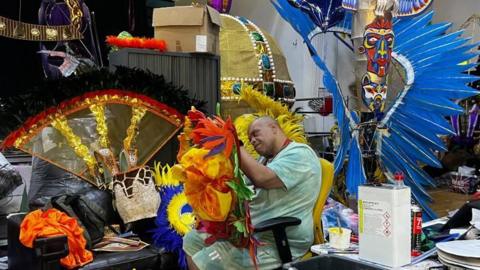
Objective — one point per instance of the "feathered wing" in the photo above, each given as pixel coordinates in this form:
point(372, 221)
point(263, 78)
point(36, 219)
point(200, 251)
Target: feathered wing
point(411, 7)
point(402, 8)
point(350, 4)
point(409, 133)
point(346, 119)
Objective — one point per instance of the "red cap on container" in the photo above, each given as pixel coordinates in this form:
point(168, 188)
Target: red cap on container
point(399, 176)
point(415, 253)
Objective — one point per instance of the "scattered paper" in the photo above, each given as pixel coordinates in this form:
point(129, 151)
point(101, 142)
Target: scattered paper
point(475, 218)
point(115, 244)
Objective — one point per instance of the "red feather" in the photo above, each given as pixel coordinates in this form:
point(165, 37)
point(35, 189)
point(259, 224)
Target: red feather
point(212, 133)
point(135, 42)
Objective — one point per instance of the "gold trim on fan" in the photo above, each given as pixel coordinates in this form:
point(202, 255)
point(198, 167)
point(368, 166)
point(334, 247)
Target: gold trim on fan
point(98, 111)
point(132, 131)
point(75, 142)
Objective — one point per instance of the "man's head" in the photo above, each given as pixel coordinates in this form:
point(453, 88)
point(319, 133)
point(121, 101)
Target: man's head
point(266, 136)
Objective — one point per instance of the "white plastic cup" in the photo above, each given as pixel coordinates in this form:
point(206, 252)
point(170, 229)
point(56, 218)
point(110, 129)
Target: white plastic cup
point(339, 239)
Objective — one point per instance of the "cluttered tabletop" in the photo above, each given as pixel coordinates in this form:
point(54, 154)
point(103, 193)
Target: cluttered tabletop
point(449, 242)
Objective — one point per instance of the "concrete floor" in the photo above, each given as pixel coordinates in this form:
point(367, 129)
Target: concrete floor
point(446, 200)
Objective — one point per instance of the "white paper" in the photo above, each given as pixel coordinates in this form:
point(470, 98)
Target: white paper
point(466, 171)
point(201, 43)
point(475, 218)
point(3, 160)
point(460, 231)
point(463, 248)
point(441, 220)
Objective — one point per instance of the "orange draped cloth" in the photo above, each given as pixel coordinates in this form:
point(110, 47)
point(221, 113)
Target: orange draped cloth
point(52, 223)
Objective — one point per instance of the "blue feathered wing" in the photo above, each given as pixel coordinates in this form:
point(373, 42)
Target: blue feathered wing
point(347, 120)
point(409, 134)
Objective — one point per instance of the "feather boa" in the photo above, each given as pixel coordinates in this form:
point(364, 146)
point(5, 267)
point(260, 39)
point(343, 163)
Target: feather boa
point(135, 42)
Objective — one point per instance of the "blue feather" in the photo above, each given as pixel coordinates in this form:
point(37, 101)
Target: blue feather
point(424, 135)
point(401, 48)
point(417, 116)
point(435, 50)
point(433, 103)
point(355, 172)
point(420, 151)
point(403, 160)
point(422, 35)
point(451, 69)
point(403, 26)
point(164, 235)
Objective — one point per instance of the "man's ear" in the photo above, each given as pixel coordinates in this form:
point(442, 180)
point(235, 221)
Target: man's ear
point(274, 128)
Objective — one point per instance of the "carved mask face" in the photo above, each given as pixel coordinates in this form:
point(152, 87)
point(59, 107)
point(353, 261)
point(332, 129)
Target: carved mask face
point(374, 93)
point(378, 42)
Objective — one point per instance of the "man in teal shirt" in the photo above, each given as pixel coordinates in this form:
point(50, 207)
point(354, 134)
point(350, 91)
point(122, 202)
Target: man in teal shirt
point(286, 181)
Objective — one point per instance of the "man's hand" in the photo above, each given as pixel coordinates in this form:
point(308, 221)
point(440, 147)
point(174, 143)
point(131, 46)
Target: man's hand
point(260, 175)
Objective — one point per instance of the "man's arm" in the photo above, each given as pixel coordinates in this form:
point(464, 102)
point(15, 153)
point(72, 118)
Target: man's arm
point(260, 175)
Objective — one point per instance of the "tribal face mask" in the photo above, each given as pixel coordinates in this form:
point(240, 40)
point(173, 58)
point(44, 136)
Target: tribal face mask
point(378, 43)
point(374, 92)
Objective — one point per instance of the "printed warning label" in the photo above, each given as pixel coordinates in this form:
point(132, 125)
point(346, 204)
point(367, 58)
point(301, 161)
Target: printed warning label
point(375, 218)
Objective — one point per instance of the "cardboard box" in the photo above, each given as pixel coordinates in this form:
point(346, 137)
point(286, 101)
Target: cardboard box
point(188, 28)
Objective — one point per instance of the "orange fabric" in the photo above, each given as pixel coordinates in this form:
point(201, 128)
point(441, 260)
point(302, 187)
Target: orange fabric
point(51, 223)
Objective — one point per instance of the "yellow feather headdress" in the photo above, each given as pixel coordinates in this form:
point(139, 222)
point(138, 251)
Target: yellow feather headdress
point(289, 122)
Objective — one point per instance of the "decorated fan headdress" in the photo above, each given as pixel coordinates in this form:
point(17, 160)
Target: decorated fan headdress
point(95, 134)
point(408, 131)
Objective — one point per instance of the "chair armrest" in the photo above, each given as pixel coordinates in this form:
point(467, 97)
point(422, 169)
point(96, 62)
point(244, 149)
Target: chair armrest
point(278, 222)
point(277, 226)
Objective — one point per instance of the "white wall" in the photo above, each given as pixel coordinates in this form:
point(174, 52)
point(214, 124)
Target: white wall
point(455, 11)
point(303, 71)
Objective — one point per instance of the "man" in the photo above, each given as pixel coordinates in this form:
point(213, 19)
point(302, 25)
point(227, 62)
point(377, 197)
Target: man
point(286, 183)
